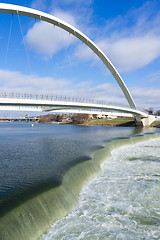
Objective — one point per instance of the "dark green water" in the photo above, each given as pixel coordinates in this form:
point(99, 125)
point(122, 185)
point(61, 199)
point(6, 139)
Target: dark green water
point(34, 160)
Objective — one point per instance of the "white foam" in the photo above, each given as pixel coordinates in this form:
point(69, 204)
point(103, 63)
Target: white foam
point(122, 202)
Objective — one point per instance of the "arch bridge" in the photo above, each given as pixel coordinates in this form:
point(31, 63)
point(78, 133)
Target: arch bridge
point(19, 10)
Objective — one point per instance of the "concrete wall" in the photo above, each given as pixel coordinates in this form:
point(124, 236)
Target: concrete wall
point(147, 121)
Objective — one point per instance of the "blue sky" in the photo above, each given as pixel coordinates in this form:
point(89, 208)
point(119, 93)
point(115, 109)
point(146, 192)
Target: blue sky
point(39, 58)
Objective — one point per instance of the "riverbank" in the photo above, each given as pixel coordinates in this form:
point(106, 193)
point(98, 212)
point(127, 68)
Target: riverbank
point(156, 124)
point(116, 122)
point(82, 120)
point(124, 122)
point(121, 122)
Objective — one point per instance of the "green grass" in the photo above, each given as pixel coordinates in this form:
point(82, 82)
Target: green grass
point(112, 122)
point(155, 124)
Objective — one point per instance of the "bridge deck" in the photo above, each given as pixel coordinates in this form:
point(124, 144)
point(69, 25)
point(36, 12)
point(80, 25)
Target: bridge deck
point(52, 104)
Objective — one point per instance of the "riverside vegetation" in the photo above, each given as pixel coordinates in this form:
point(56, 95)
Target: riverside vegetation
point(86, 119)
point(91, 120)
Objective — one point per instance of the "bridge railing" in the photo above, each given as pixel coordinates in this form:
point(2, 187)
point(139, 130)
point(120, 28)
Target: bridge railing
point(19, 95)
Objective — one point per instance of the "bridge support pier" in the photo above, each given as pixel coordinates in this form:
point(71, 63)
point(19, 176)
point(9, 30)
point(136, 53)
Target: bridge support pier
point(145, 122)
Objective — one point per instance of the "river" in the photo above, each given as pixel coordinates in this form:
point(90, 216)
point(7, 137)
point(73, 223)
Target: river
point(43, 168)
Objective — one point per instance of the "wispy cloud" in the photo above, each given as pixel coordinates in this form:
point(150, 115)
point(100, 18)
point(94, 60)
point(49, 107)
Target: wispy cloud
point(39, 5)
point(146, 97)
point(131, 42)
point(154, 77)
point(132, 53)
point(46, 39)
point(16, 81)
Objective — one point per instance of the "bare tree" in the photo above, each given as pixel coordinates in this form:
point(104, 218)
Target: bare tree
point(95, 115)
point(47, 118)
point(80, 118)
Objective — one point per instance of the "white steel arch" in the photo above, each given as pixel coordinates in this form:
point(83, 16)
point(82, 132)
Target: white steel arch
point(19, 10)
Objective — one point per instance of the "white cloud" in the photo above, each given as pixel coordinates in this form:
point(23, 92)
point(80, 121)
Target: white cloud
point(46, 39)
point(84, 53)
point(130, 42)
point(65, 16)
point(16, 81)
point(103, 92)
point(132, 53)
point(154, 77)
point(146, 93)
point(39, 5)
point(127, 54)
point(146, 97)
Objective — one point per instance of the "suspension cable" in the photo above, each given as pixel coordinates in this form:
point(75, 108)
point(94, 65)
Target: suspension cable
point(28, 62)
point(9, 37)
point(5, 58)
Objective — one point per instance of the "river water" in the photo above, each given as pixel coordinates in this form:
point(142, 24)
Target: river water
point(121, 202)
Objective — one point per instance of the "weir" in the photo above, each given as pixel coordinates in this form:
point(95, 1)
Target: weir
point(33, 217)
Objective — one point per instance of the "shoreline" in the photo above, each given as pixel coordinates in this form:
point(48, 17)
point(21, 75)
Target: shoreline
point(44, 209)
point(118, 122)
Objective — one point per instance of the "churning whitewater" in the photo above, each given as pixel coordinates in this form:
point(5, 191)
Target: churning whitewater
point(123, 202)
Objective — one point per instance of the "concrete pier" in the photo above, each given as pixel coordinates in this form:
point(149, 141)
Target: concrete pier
point(145, 121)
